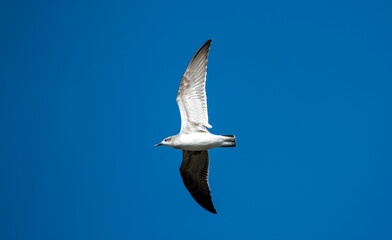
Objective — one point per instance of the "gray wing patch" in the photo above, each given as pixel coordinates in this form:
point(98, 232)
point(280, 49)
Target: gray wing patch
point(194, 173)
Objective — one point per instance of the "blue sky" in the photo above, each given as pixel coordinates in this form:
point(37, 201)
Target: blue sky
point(88, 87)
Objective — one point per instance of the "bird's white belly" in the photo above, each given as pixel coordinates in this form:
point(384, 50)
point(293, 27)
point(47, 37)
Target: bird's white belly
point(198, 141)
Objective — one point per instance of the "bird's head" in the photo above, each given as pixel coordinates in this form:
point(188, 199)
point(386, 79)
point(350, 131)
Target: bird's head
point(166, 142)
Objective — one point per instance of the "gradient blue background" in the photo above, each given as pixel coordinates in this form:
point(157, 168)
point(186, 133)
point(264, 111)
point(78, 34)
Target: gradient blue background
point(87, 88)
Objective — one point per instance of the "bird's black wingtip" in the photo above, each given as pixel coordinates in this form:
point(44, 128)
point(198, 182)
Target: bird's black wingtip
point(211, 210)
point(208, 42)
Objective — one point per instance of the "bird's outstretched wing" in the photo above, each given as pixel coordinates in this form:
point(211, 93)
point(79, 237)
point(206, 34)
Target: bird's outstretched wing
point(194, 173)
point(191, 97)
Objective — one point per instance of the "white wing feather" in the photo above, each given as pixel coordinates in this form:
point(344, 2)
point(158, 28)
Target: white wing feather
point(191, 97)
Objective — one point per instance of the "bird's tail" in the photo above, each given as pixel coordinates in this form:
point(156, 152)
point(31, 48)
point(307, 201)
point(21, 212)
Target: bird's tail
point(228, 141)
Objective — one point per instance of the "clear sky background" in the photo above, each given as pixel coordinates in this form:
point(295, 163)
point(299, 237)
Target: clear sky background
point(88, 87)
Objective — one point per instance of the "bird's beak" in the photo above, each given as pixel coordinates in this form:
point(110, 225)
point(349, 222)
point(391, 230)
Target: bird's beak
point(158, 144)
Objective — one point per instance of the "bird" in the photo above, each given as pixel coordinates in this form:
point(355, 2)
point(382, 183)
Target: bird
point(194, 139)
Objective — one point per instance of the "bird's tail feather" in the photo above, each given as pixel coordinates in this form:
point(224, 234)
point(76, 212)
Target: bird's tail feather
point(229, 141)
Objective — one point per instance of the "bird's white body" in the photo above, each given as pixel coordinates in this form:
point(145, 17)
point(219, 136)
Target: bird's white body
point(201, 141)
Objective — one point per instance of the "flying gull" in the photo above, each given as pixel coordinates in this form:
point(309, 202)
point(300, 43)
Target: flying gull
point(194, 139)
